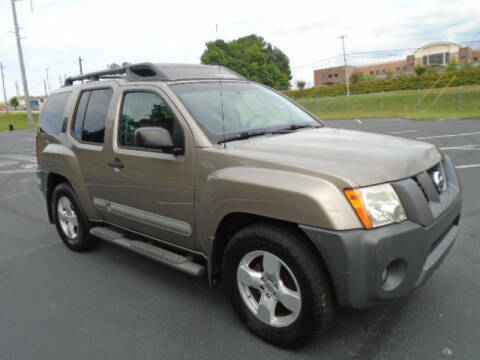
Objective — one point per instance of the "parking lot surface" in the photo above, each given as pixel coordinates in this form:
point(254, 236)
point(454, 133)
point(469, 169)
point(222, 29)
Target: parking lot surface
point(113, 304)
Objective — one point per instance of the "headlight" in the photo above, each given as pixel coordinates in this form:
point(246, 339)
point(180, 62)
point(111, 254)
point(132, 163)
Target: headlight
point(376, 205)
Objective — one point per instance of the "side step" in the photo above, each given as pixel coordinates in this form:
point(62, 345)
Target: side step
point(156, 253)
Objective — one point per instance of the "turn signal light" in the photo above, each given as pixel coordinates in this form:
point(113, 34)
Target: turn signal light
point(356, 200)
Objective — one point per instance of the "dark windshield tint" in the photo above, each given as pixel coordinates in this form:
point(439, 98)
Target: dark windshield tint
point(52, 115)
point(246, 107)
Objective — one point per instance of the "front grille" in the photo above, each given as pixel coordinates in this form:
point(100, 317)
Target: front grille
point(421, 199)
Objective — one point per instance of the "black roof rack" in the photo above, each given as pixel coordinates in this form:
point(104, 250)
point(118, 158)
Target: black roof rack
point(160, 72)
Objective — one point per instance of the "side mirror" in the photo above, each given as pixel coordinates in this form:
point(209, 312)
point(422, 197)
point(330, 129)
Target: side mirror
point(155, 138)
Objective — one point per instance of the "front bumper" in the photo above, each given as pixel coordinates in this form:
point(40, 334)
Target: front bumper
point(367, 266)
point(356, 259)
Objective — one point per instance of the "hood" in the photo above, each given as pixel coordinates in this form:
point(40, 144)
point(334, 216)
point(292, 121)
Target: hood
point(356, 157)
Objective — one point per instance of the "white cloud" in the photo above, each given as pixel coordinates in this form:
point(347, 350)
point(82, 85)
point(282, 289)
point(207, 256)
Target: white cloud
point(106, 31)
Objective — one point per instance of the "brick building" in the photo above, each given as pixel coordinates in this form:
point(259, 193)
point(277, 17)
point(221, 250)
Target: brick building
point(437, 53)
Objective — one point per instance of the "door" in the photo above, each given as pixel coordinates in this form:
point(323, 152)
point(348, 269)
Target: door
point(91, 116)
point(151, 191)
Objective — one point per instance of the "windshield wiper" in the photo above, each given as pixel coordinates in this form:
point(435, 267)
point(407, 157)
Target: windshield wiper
point(244, 135)
point(294, 127)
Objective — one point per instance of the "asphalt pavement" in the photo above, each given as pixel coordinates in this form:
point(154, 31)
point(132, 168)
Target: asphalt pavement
point(113, 304)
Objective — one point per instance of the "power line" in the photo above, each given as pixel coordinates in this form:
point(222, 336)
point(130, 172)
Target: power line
point(373, 54)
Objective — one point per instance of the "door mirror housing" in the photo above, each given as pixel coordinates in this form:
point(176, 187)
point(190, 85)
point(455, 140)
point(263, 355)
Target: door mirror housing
point(156, 138)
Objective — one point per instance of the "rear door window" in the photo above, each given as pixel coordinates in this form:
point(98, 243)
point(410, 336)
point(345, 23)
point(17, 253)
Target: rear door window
point(52, 115)
point(91, 115)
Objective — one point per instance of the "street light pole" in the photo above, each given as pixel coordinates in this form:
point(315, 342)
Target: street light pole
point(48, 81)
point(22, 65)
point(4, 90)
point(347, 80)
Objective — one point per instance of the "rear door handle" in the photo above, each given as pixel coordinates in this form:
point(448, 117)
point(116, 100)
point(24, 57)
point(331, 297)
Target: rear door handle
point(116, 164)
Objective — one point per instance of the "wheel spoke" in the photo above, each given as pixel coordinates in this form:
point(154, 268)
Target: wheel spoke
point(249, 277)
point(70, 231)
point(271, 266)
point(62, 215)
point(74, 220)
point(289, 298)
point(64, 203)
point(266, 309)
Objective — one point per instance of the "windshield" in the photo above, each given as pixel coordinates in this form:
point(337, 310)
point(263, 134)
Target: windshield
point(248, 108)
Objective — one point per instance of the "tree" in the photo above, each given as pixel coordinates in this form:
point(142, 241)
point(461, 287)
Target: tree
point(401, 74)
point(432, 69)
point(389, 74)
point(420, 70)
point(356, 77)
point(14, 101)
point(251, 56)
point(301, 84)
point(452, 65)
point(468, 66)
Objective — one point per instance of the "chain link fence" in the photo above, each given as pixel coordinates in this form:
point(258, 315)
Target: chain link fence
point(459, 102)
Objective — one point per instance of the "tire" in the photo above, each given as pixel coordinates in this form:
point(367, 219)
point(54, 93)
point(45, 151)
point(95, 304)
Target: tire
point(72, 224)
point(308, 298)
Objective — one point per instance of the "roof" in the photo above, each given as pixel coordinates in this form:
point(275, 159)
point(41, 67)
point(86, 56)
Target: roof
point(161, 72)
point(437, 43)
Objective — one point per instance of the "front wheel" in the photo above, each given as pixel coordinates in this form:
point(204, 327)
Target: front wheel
point(276, 285)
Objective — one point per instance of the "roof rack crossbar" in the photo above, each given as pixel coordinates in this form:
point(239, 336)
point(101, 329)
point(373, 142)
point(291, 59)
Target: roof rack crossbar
point(96, 75)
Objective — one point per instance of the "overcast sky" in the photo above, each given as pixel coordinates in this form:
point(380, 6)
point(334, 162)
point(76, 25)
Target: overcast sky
point(107, 31)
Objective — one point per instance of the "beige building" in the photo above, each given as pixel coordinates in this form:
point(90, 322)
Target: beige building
point(437, 53)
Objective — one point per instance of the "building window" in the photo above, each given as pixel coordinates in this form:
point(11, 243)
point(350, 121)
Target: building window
point(383, 71)
point(447, 57)
point(425, 60)
point(377, 72)
point(336, 75)
point(329, 76)
point(435, 59)
point(371, 72)
point(398, 68)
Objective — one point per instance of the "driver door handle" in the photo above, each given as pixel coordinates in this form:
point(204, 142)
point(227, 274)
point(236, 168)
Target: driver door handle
point(116, 163)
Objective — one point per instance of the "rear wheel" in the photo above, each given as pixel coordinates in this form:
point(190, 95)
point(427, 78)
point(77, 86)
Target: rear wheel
point(72, 224)
point(276, 285)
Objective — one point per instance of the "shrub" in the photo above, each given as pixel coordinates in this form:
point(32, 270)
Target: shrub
point(420, 70)
point(467, 77)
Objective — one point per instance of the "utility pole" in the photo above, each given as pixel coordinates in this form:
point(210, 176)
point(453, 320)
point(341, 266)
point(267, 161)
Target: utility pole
point(17, 91)
point(347, 80)
point(80, 65)
point(4, 90)
point(48, 81)
point(22, 65)
point(60, 80)
point(45, 87)
point(80, 60)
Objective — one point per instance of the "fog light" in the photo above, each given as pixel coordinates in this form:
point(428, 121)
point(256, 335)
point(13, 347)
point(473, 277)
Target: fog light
point(384, 275)
point(394, 274)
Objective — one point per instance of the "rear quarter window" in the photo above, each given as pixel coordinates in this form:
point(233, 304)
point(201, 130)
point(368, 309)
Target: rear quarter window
point(52, 115)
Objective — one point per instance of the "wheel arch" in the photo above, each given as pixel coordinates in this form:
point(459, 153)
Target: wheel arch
point(53, 180)
point(234, 222)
